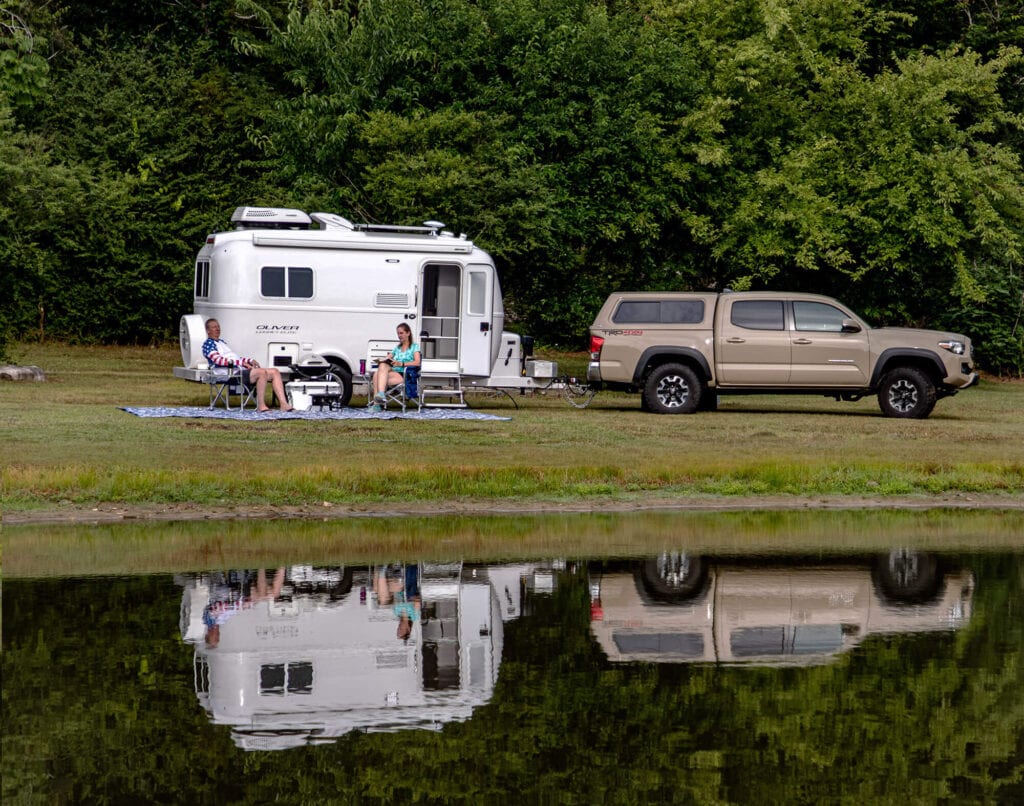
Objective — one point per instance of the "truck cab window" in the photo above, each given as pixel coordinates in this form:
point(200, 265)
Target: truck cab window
point(758, 314)
point(818, 316)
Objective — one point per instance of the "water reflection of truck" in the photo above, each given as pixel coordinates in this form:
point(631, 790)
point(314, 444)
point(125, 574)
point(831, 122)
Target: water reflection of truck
point(678, 608)
point(322, 657)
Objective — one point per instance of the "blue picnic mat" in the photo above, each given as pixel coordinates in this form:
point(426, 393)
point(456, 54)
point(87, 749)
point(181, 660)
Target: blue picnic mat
point(312, 414)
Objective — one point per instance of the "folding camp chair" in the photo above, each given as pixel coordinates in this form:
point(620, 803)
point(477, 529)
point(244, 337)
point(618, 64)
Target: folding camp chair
point(406, 392)
point(227, 381)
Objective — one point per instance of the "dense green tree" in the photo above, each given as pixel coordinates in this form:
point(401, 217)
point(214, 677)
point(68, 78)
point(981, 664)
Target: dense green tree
point(862, 148)
point(146, 147)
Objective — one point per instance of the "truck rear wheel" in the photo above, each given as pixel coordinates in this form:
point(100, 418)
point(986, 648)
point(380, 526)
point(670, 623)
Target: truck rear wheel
point(906, 392)
point(672, 389)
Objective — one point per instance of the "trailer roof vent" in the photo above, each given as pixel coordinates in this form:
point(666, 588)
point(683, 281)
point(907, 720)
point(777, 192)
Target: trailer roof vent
point(331, 221)
point(269, 218)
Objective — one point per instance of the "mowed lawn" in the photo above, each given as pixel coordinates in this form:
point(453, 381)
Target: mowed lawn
point(66, 442)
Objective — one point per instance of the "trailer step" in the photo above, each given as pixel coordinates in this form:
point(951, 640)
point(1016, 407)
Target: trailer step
point(441, 385)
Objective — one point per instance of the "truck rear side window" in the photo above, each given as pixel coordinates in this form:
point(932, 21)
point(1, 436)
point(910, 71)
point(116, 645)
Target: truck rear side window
point(286, 281)
point(659, 312)
point(758, 314)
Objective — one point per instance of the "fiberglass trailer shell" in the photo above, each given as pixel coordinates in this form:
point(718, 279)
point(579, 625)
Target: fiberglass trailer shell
point(286, 293)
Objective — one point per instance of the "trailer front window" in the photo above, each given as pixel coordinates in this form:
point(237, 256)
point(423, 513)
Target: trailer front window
point(202, 288)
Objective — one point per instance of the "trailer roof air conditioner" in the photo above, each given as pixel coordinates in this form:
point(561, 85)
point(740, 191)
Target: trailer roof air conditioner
point(269, 218)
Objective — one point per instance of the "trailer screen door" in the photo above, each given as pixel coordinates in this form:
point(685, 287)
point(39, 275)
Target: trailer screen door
point(475, 358)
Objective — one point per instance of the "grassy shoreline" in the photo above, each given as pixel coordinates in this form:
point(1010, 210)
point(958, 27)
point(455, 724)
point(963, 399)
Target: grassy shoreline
point(171, 546)
point(68, 445)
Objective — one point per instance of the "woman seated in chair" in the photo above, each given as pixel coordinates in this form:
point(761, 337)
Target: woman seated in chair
point(218, 354)
point(391, 371)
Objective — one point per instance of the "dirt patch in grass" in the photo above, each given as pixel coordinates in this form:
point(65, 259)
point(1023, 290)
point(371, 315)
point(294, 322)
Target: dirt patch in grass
point(110, 513)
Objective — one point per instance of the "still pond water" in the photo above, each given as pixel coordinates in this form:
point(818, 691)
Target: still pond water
point(878, 673)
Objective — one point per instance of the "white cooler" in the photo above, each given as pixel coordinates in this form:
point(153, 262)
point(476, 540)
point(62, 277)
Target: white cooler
point(301, 393)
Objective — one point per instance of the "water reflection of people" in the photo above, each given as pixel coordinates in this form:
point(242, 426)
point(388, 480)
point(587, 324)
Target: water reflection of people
point(234, 592)
point(400, 588)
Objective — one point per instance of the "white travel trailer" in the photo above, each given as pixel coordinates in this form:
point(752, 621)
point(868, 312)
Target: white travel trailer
point(291, 288)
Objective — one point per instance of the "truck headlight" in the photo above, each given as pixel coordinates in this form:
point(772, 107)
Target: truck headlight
point(953, 346)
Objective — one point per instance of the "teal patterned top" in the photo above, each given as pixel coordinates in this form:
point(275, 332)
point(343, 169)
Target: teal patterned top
point(407, 356)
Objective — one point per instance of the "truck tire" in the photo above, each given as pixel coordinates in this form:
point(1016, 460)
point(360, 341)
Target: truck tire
point(672, 389)
point(343, 378)
point(673, 576)
point(908, 393)
point(908, 577)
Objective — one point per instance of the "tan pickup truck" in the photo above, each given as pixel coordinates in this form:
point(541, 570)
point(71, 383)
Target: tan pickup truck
point(682, 350)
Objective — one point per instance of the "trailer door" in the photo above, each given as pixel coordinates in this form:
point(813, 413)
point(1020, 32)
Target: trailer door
point(475, 355)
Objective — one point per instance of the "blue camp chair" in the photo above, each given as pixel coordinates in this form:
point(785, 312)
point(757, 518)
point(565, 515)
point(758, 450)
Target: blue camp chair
point(406, 392)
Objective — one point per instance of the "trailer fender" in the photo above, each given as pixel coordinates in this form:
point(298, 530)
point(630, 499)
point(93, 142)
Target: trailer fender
point(191, 335)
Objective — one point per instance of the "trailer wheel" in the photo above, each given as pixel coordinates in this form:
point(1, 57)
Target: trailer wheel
point(343, 377)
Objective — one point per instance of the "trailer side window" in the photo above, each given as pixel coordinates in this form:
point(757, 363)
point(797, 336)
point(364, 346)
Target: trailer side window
point(272, 281)
point(290, 281)
point(286, 678)
point(300, 282)
point(202, 278)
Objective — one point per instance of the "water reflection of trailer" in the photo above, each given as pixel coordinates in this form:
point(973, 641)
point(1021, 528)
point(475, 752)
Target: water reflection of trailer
point(309, 667)
point(678, 608)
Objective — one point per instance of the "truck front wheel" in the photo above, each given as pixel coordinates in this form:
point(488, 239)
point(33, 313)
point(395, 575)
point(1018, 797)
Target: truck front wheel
point(906, 392)
point(672, 389)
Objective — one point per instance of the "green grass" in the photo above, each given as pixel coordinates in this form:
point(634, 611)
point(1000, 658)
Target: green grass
point(67, 443)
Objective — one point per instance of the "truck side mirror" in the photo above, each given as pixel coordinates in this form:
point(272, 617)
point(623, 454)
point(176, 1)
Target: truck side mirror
point(849, 326)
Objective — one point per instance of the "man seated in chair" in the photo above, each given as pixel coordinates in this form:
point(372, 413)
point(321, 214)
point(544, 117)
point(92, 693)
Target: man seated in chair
point(391, 370)
point(218, 354)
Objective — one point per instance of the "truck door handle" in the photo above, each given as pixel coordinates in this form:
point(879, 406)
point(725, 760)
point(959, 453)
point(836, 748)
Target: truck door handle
point(802, 341)
point(736, 340)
